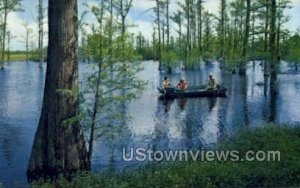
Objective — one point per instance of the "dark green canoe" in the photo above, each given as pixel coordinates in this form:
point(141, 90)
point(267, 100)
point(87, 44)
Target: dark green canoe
point(193, 92)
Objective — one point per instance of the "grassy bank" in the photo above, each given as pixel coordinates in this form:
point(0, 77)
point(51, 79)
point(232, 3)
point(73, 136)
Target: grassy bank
point(17, 57)
point(284, 173)
point(21, 56)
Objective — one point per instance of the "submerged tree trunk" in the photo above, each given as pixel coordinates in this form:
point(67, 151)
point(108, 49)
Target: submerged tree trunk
point(27, 44)
point(168, 33)
point(199, 15)
point(5, 2)
point(110, 34)
point(273, 51)
point(242, 70)
point(159, 36)
point(98, 83)
point(222, 29)
point(8, 45)
point(58, 144)
point(188, 32)
point(41, 30)
point(266, 37)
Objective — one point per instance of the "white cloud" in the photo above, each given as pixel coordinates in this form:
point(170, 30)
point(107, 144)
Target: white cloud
point(146, 28)
point(212, 6)
point(15, 24)
point(143, 5)
point(295, 2)
point(143, 22)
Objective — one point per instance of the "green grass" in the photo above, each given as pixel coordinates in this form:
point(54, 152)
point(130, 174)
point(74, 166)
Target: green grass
point(17, 57)
point(21, 56)
point(285, 173)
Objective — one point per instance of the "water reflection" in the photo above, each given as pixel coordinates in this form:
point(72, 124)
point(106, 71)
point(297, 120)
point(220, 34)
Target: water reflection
point(211, 103)
point(21, 87)
point(181, 102)
point(158, 124)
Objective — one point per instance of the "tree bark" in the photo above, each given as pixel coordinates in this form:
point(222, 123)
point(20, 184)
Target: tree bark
point(199, 13)
point(41, 30)
point(8, 45)
point(242, 70)
point(222, 30)
point(188, 32)
point(58, 144)
point(273, 51)
point(266, 37)
point(27, 43)
point(159, 35)
point(4, 33)
point(98, 83)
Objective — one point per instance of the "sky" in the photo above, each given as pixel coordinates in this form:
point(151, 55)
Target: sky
point(142, 20)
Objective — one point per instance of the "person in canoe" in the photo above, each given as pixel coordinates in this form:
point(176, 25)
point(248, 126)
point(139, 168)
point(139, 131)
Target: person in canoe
point(182, 85)
point(167, 87)
point(211, 83)
point(166, 83)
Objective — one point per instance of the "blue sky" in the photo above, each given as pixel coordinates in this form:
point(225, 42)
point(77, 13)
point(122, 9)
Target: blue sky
point(143, 22)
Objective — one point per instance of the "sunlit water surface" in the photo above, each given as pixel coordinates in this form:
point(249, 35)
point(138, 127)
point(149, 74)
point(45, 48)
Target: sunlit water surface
point(193, 123)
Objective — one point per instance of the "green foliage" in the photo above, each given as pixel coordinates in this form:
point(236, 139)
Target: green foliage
point(192, 59)
point(224, 36)
point(285, 173)
point(294, 48)
point(72, 120)
point(112, 81)
point(67, 92)
point(34, 55)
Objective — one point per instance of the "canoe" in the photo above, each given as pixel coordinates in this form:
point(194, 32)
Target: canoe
point(193, 92)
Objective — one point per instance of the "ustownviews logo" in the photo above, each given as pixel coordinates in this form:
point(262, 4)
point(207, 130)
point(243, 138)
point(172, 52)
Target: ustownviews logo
point(143, 154)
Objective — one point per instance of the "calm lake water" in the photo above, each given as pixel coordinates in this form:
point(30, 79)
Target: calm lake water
point(157, 124)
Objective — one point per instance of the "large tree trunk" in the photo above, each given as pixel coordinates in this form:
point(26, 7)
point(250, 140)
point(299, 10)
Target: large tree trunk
point(58, 144)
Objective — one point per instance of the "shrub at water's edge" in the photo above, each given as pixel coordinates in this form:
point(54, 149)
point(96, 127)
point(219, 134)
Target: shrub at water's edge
point(283, 173)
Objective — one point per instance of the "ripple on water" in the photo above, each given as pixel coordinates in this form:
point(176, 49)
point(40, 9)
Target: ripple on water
point(155, 124)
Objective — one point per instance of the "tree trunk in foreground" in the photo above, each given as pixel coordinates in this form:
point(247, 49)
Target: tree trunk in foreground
point(58, 144)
